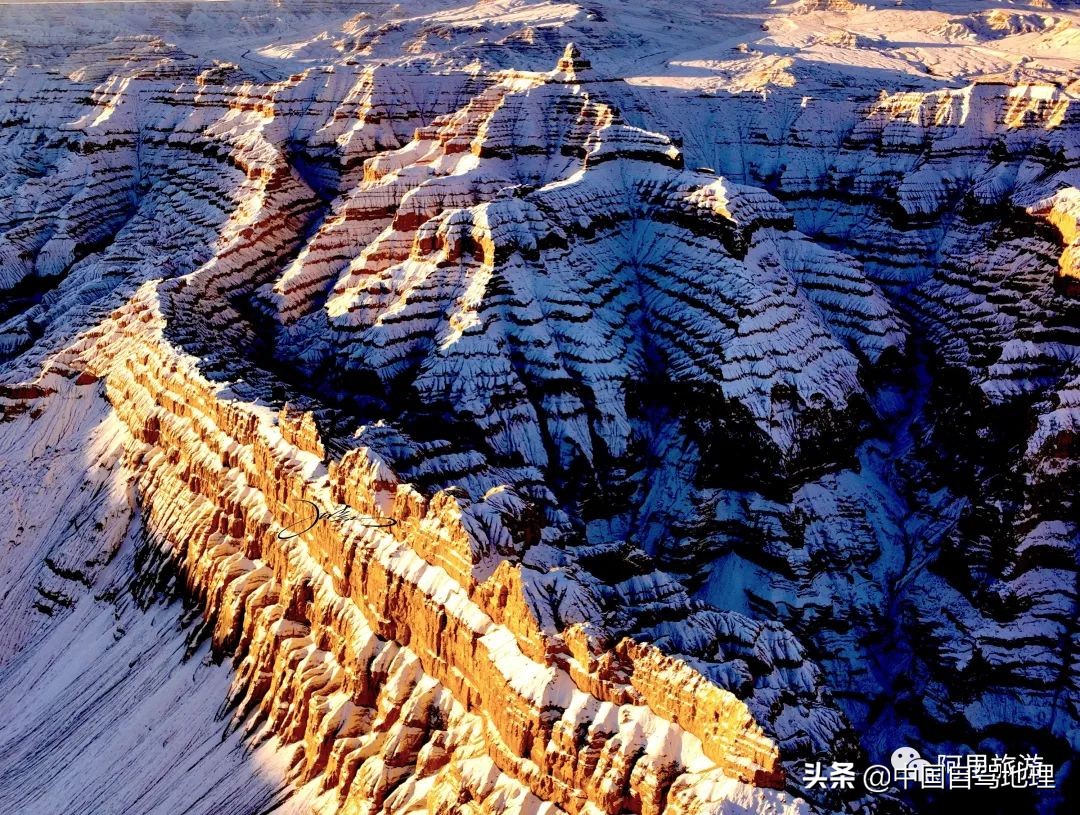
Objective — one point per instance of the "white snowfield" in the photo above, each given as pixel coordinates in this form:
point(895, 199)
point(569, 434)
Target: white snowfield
point(718, 361)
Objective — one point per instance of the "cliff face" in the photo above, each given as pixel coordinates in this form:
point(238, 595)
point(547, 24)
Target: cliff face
point(506, 462)
point(377, 648)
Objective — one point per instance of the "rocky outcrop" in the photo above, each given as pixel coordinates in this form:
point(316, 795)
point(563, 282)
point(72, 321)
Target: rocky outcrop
point(378, 647)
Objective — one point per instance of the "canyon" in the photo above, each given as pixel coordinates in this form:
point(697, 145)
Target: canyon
point(718, 367)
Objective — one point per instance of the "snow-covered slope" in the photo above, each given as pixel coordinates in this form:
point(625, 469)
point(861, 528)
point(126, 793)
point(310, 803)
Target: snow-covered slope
point(718, 370)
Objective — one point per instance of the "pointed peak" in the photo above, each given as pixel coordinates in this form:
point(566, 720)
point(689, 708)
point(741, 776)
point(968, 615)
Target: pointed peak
point(572, 65)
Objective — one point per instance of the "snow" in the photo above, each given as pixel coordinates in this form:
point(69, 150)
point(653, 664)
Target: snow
point(472, 222)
